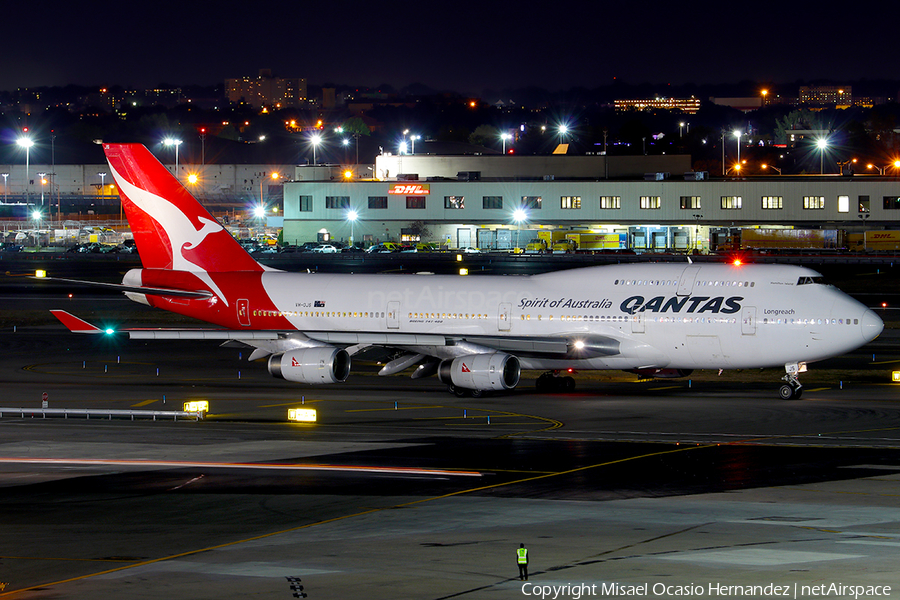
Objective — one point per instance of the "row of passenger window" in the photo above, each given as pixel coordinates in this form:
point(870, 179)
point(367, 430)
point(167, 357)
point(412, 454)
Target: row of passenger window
point(767, 321)
point(317, 313)
point(447, 316)
point(670, 282)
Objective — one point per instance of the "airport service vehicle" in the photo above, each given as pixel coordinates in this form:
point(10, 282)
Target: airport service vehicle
point(476, 333)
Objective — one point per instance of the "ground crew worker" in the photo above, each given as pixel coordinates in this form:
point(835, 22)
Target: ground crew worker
point(522, 560)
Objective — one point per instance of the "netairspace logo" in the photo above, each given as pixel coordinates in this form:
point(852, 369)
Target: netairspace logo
point(576, 591)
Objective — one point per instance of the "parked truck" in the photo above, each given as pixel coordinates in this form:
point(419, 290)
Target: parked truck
point(544, 241)
point(782, 239)
point(589, 241)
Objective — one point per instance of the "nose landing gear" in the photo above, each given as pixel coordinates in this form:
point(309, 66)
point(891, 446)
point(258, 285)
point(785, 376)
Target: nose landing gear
point(792, 388)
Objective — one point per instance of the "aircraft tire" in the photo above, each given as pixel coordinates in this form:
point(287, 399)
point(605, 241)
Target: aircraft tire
point(787, 392)
point(568, 384)
point(477, 393)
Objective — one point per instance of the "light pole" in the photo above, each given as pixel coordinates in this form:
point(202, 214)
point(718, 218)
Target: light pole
point(519, 216)
point(771, 167)
point(503, 138)
point(412, 142)
point(6, 187)
point(738, 135)
point(352, 216)
point(43, 183)
point(27, 143)
point(697, 232)
point(102, 181)
point(176, 143)
point(822, 143)
point(315, 139)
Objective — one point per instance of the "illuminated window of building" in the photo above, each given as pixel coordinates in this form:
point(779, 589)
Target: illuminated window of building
point(813, 202)
point(843, 204)
point(772, 202)
point(731, 202)
point(570, 202)
point(651, 202)
point(611, 202)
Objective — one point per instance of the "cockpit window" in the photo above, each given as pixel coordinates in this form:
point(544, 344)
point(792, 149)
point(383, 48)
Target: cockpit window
point(808, 280)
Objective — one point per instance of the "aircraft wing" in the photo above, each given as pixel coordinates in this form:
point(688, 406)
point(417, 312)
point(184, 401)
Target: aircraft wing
point(535, 346)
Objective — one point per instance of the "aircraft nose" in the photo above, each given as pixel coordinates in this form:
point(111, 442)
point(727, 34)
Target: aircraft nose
point(871, 324)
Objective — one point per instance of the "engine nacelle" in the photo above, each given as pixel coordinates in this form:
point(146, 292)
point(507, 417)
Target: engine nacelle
point(311, 365)
point(496, 371)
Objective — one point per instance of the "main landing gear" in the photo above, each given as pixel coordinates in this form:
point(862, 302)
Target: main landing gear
point(551, 381)
point(792, 388)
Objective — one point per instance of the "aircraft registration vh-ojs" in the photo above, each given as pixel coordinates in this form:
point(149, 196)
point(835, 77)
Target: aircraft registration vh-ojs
point(476, 333)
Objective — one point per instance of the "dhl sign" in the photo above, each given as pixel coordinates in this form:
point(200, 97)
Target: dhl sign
point(410, 189)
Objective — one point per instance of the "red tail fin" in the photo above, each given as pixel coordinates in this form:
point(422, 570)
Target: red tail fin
point(171, 229)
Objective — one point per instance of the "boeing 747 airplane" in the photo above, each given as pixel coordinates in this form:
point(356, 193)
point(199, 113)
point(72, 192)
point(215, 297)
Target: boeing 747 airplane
point(476, 333)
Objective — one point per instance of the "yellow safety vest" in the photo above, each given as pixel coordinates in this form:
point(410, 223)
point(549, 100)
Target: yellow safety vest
point(522, 553)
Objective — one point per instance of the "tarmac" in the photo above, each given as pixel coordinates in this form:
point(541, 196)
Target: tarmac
point(706, 488)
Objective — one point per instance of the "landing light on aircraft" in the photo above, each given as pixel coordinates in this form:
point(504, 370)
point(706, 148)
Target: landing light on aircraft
point(307, 415)
point(579, 345)
point(110, 331)
point(196, 406)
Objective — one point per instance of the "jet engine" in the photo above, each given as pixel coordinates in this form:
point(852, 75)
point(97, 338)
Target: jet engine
point(311, 365)
point(496, 371)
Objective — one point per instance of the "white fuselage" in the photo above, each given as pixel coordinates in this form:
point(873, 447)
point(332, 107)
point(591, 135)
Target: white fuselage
point(662, 315)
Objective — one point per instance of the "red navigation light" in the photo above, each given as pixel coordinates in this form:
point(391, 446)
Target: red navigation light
point(737, 262)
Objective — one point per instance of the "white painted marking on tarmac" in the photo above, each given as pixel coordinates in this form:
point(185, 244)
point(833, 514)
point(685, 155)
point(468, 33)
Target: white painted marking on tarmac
point(760, 557)
point(871, 543)
point(234, 465)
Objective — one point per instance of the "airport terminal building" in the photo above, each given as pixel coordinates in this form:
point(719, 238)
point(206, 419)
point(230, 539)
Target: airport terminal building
point(499, 202)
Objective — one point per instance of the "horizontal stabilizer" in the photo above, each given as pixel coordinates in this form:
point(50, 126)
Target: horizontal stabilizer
point(74, 324)
point(137, 289)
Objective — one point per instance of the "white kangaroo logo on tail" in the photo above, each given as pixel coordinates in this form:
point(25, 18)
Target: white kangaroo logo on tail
point(182, 233)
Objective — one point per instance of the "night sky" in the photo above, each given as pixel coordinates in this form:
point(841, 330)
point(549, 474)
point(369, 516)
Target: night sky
point(461, 46)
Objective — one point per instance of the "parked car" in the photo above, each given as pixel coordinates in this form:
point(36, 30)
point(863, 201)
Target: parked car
point(326, 249)
point(469, 250)
point(383, 248)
